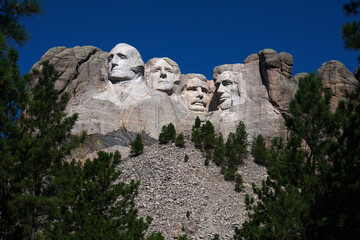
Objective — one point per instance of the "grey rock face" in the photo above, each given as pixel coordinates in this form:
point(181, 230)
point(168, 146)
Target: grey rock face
point(252, 57)
point(75, 65)
point(276, 70)
point(247, 99)
point(112, 92)
point(337, 78)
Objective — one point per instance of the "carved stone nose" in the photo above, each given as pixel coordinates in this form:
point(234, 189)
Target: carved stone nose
point(221, 88)
point(113, 65)
point(163, 75)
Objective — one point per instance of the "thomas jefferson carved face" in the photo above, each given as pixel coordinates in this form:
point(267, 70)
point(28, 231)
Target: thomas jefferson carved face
point(123, 63)
point(161, 74)
point(196, 93)
point(227, 89)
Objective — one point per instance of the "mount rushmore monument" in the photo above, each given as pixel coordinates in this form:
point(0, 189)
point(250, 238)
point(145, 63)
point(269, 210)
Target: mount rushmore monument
point(117, 90)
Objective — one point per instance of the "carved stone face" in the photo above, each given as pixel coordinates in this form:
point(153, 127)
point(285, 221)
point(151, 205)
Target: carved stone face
point(162, 76)
point(196, 94)
point(227, 89)
point(122, 61)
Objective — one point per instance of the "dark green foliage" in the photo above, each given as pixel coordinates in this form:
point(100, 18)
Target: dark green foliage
point(239, 183)
point(238, 142)
point(12, 99)
point(197, 123)
point(206, 162)
point(219, 150)
point(216, 237)
point(351, 30)
point(183, 237)
point(230, 173)
point(163, 137)
point(117, 157)
point(33, 144)
point(137, 146)
point(180, 141)
point(186, 158)
point(188, 214)
point(168, 133)
point(156, 236)
point(11, 11)
point(91, 207)
point(203, 136)
point(171, 132)
point(196, 137)
point(259, 151)
point(312, 191)
point(207, 157)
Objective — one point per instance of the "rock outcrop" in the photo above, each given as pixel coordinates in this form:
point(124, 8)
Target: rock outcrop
point(116, 90)
point(338, 79)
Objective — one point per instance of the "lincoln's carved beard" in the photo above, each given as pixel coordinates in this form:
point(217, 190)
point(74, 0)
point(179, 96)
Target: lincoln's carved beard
point(226, 104)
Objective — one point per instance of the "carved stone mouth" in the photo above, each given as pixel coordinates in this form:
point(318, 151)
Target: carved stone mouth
point(198, 103)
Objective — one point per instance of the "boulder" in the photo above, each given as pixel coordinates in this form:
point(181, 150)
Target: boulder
point(252, 57)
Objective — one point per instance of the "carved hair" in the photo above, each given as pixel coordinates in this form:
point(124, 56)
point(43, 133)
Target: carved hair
point(186, 77)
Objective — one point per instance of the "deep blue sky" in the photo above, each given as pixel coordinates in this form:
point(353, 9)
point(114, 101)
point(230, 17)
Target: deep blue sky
point(197, 34)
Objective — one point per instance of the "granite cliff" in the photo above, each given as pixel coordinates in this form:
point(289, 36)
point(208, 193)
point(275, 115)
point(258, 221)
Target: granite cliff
point(116, 93)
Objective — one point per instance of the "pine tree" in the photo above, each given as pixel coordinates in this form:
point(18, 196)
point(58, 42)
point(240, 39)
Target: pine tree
point(11, 11)
point(168, 133)
point(137, 146)
point(163, 137)
point(46, 141)
point(239, 186)
point(171, 132)
point(197, 122)
point(13, 99)
point(351, 30)
point(312, 190)
point(259, 151)
point(237, 142)
point(91, 206)
point(196, 137)
point(179, 141)
point(219, 150)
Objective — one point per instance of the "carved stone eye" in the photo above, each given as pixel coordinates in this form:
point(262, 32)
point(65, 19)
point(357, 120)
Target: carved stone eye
point(122, 56)
point(110, 57)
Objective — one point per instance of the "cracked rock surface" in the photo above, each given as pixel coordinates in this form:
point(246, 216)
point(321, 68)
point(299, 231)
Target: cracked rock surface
point(169, 187)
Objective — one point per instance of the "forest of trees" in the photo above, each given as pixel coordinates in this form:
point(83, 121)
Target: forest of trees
point(312, 190)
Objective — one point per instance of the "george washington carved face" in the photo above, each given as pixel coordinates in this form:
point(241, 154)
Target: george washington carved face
point(124, 63)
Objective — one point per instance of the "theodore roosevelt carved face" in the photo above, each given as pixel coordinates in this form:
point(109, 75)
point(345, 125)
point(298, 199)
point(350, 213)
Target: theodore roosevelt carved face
point(195, 92)
point(124, 63)
point(161, 74)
